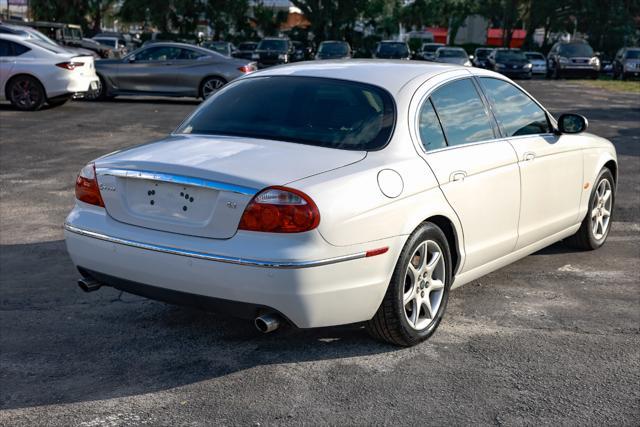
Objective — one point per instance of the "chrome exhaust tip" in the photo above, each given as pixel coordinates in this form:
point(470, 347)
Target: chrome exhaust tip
point(89, 285)
point(267, 323)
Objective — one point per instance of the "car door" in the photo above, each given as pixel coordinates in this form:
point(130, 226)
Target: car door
point(550, 164)
point(191, 66)
point(477, 172)
point(149, 70)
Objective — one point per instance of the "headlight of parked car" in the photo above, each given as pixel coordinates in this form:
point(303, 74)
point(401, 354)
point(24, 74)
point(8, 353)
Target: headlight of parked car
point(563, 60)
point(282, 56)
point(594, 61)
point(501, 66)
point(527, 66)
point(255, 56)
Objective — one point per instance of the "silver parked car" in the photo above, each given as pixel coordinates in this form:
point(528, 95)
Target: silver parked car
point(168, 69)
point(452, 55)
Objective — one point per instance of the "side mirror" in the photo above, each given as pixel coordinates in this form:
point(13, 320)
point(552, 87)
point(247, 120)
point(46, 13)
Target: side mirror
point(572, 123)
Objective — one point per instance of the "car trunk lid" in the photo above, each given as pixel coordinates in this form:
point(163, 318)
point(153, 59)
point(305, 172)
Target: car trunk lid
point(200, 185)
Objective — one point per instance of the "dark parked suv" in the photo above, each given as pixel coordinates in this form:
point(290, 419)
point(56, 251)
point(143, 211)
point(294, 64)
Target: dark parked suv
point(273, 51)
point(574, 58)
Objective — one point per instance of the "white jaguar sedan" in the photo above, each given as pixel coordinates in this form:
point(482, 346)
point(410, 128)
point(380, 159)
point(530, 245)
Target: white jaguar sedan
point(338, 192)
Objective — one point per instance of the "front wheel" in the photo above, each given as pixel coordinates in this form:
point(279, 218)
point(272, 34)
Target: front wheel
point(417, 295)
point(595, 227)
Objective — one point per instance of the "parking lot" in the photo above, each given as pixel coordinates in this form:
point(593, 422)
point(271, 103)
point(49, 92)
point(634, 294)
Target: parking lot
point(551, 339)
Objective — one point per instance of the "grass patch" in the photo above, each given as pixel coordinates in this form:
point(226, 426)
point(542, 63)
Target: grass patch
point(607, 83)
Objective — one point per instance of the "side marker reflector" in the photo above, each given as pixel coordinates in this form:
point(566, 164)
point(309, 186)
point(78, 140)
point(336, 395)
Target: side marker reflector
point(375, 252)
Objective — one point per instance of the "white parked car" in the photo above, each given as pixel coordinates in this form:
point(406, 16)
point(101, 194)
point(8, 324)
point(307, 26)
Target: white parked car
point(34, 72)
point(329, 193)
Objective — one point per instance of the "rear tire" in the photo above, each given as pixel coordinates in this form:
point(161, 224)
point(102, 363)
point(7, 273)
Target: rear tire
point(211, 85)
point(98, 94)
point(417, 296)
point(26, 93)
point(596, 224)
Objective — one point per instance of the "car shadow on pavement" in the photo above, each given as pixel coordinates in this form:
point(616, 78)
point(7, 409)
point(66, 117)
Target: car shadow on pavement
point(61, 345)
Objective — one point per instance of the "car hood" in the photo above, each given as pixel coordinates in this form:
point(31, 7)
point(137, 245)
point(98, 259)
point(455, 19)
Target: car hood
point(249, 162)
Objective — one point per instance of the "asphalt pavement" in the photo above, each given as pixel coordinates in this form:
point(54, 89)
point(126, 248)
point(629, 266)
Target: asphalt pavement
point(551, 339)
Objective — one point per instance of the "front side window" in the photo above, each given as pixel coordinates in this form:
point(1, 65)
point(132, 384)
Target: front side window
point(335, 113)
point(431, 134)
point(516, 113)
point(462, 113)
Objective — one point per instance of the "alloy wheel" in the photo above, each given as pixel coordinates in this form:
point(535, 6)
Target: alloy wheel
point(211, 86)
point(601, 210)
point(424, 285)
point(25, 94)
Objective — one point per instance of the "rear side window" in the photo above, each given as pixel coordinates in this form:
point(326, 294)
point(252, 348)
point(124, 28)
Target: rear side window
point(307, 110)
point(517, 114)
point(462, 113)
point(431, 134)
point(9, 48)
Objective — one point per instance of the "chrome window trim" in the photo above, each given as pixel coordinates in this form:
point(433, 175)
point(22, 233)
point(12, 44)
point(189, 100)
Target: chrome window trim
point(212, 257)
point(176, 179)
point(426, 96)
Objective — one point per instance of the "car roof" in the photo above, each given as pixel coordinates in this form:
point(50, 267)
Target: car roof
point(174, 44)
point(389, 74)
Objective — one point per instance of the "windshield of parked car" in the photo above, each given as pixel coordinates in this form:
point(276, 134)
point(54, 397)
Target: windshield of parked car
point(222, 48)
point(247, 46)
point(333, 48)
point(279, 45)
point(576, 49)
point(431, 47)
point(510, 55)
point(335, 113)
point(533, 55)
point(633, 54)
point(395, 49)
point(451, 53)
point(482, 53)
point(108, 42)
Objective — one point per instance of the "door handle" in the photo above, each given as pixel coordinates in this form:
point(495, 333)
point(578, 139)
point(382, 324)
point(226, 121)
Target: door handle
point(458, 176)
point(528, 156)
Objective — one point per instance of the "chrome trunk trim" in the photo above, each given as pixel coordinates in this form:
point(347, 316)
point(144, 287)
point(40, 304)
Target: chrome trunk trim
point(212, 257)
point(176, 179)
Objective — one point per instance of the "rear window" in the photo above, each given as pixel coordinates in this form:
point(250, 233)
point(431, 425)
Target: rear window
point(633, 54)
point(307, 110)
point(393, 49)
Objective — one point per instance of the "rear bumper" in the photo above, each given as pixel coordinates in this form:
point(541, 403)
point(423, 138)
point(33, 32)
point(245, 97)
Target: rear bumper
point(312, 292)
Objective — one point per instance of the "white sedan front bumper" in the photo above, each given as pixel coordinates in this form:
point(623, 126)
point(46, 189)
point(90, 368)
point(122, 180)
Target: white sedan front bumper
point(323, 290)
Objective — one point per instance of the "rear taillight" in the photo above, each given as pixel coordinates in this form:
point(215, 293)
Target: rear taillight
point(87, 189)
point(280, 210)
point(70, 65)
point(250, 68)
